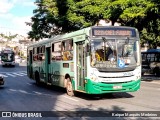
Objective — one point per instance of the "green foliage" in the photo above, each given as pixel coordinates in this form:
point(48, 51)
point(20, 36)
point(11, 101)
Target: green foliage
point(60, 16)
point(151, 27)
point(8, 37)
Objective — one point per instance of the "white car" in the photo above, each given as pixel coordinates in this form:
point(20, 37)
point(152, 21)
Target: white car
point(18, 59)
point(23, 60)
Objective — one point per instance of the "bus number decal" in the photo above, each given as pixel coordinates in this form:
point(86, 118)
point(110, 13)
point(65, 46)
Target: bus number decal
point(56, 76)
point(128, 74)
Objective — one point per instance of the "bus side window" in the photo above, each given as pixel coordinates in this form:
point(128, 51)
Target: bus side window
point(155, 58)
point(158, 57)
point(41, 54)
point(35, 57)
point(64, 53)
point(67, 50)
point(35, 54)
point(152, 57)
point(148, 58)
point(56, 51)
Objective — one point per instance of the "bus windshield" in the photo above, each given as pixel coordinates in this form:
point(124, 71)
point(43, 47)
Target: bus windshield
point(7, 57)
point(113, 53)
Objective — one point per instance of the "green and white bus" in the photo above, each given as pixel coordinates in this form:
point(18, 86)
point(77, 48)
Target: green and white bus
point(93, 60)
point(7, 57)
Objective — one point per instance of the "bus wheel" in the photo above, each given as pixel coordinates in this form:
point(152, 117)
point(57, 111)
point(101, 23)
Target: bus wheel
point(69, 88)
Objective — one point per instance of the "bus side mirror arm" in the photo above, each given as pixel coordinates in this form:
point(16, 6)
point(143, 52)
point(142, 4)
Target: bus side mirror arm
point(87, 44)
point(88, 39)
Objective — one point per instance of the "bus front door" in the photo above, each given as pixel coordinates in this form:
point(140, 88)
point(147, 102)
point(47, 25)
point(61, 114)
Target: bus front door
point(81, 69)
point(47, 64)
point(29, 66)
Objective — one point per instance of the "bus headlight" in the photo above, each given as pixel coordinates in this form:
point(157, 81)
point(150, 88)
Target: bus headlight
point(138, 76)
point(94, 77)
point(137, 73)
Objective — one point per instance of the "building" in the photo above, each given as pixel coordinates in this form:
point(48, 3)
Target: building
point(18, 44)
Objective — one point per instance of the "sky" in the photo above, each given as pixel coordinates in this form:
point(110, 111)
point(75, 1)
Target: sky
point(14, 14)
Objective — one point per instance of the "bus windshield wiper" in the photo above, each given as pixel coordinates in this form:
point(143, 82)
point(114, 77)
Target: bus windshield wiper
point(127, 40)
point(108, 43)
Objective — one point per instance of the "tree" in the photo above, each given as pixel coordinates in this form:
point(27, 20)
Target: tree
point(60, 16)
point(152, 26)
point(54, 17)
point(50, 18)
point(8, 37)
point(39, 22)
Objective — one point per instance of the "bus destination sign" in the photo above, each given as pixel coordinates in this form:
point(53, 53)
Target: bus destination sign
point(113, 31)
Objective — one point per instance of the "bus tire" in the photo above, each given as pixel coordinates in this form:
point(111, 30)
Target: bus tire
point(37, 78)
point(69, 87)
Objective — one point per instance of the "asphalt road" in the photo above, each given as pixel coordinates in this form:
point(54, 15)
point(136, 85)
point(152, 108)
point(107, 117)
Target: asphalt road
point(22, 94)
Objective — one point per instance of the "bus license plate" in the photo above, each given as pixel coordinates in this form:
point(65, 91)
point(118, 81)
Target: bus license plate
point(117, 87)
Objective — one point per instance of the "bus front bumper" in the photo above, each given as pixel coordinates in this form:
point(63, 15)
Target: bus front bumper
point(8, 63)
point(99, 88)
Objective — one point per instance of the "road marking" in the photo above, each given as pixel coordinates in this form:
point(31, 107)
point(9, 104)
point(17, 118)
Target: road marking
point(22, 73)
point(12, 90)
point(10, 75)
point(40, 93)
point(17, 74)
point(22, 91)
point(29, 83)
point(71, 98)
point(4, 75)
point(13, 74)
point(37, 93)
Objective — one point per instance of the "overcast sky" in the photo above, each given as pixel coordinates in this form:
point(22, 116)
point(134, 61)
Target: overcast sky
point(14, 14)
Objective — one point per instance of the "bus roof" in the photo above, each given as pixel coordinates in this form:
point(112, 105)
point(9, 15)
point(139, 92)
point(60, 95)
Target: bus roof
point(63, 36)
point(73, 34)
